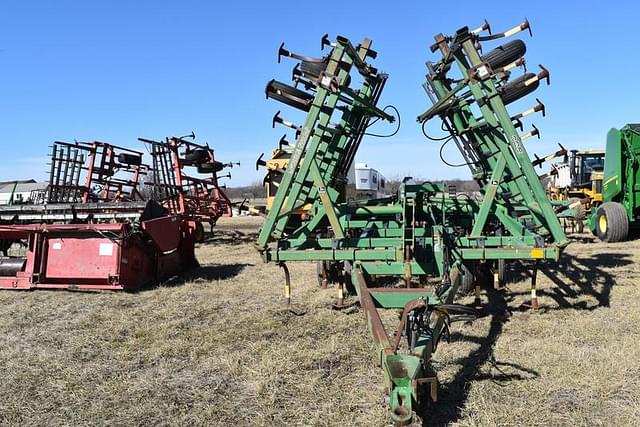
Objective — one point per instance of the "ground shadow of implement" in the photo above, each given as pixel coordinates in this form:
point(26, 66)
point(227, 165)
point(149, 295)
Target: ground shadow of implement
point(208, 273)
point(574, 275)
point(230, 237)
point(583, 275)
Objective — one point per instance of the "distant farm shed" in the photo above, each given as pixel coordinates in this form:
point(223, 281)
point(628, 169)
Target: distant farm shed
point(22, 191)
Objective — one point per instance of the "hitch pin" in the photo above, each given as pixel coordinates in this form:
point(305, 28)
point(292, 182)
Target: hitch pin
point(539, 107)
point(532, 133)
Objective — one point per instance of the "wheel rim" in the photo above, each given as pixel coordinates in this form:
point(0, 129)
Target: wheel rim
point(602, 223)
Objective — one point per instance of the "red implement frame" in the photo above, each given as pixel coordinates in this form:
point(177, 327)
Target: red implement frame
point(199, 198)
point(98, 256)
point(88, 172)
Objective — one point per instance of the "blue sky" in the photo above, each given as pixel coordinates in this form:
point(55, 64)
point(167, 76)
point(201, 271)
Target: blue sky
point(116, 70)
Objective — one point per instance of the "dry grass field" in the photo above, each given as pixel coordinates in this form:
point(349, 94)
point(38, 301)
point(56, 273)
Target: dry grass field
point(218, 348)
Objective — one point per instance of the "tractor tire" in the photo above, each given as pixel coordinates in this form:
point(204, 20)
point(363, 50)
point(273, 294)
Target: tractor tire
point(505, 54)
point(199, 155)
point(612, 223)
point(517, 89)
point(129, 159)
point(467, 282)
point(581, 212)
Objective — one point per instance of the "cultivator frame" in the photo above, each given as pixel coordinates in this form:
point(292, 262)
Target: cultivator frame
point(199, 198)
point(430, 237)
point(90, 172)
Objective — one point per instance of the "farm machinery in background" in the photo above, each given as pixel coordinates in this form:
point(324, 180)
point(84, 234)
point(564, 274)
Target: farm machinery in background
point(619, 212)
point(576, 180)
point(108, 221)
point(415, 250)
point(198, 198)
point(603, 184)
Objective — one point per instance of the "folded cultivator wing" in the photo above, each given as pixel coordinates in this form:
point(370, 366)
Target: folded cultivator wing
point(430, 239)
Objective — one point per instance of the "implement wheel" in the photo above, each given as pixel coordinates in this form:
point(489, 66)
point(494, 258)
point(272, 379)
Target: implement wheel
point(516, 89)
point(467, 282)
point(580, 211)
point(612, 223)
point(505, 54)
point(199, 155)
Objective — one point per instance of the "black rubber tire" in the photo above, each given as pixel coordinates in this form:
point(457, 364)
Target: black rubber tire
point(501, 266)
point(616, 220)
point(517, 89)
point(505, 54)
point(129, 159)
point(467, 282)
point(581, 212)
point(321, 273)
point(198, 232)
point(211, 167)
point(289, 95)
point(197, 156)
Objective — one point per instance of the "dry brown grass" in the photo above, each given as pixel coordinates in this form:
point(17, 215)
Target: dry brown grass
point(219, 349)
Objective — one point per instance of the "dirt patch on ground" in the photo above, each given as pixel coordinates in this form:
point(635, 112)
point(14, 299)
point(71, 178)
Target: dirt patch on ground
point(218, 348)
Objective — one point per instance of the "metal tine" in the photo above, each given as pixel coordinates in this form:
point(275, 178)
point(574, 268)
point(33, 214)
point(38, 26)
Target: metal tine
point(520, 62)
point(542, 75)
point(513, 31)
point(540, 160)
point(484, 27)
point(531, 133)
point(51, 171)
point(539, 107)
point(280, 120)
point(77, 177)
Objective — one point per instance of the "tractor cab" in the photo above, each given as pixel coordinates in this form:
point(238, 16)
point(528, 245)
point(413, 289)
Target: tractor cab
point(586, 167)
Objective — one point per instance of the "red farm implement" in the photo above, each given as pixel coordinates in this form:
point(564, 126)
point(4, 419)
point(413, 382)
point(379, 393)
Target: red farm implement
point(108, 221)
point(106, 256)
point(199, 197)
point(94, 172)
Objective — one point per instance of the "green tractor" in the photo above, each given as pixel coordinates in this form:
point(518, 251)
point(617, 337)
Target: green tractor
point(620, 208)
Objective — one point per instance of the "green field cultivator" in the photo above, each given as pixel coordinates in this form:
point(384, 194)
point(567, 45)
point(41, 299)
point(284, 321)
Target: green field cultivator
point(416, 250)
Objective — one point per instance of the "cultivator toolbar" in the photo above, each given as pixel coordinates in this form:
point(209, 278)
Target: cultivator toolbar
point(433, 240)
point(110, 222)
